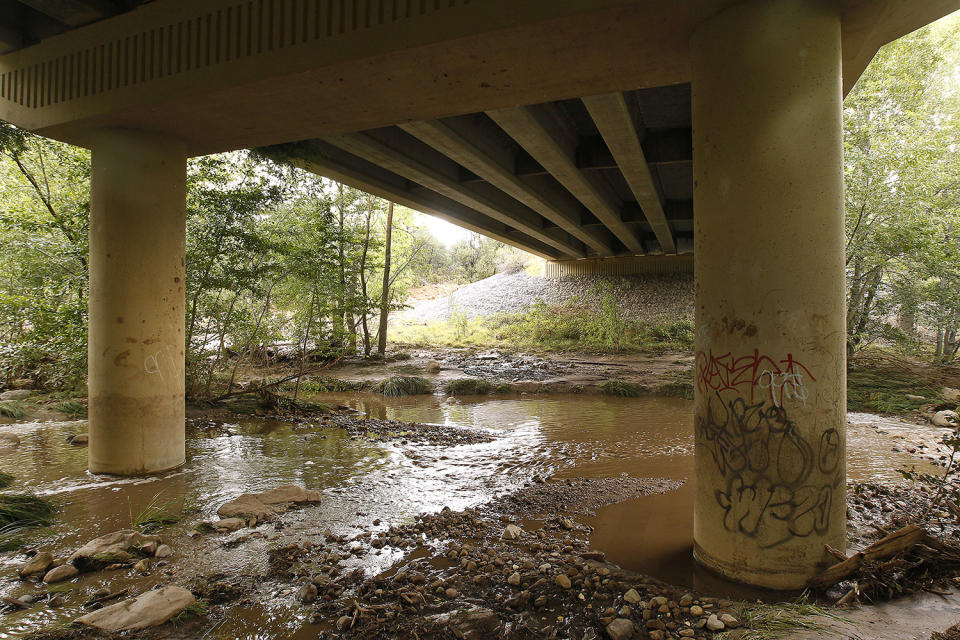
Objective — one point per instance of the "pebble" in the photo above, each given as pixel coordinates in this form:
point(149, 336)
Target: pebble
point(729, 621)
point(343, 623)
point(632, 597)
point(37, 565)
point(562, 581)
point(163, 551)
point(696, 611)
point(61, 573)
point(307, 593)
point(512, 532)
point(514, 579)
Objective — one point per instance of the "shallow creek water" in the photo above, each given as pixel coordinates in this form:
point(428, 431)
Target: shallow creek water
point(563, 436)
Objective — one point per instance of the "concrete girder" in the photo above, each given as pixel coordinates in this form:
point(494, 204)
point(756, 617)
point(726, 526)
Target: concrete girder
point(470, 154)
point(506, 212)
point(617, 126)
point(536, 131)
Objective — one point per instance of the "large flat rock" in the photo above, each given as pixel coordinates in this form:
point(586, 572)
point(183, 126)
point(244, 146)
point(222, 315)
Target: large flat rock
point(265, 505)
point(146, 610)
point(112, 547)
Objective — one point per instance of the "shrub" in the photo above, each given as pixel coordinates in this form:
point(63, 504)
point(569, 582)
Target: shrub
point(12, 409)
point(72, 408)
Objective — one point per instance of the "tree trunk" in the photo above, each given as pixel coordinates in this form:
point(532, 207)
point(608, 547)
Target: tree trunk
point(306, 338)
point(363, 282)
point(385, 294)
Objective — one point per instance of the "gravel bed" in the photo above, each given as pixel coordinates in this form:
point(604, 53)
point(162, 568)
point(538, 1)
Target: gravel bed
point(646, 297)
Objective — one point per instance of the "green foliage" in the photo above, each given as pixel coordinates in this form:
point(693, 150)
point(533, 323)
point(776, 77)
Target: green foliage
point(5, 480)
point(901, 126)
point(12, 409)
point(678, 384)
point(620, 388)
point(404, 386)
point(468, 387)
point(22, 509)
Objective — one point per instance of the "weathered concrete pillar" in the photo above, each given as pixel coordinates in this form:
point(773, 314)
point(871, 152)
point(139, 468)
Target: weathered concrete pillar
point(770, 371)
point(136, 350)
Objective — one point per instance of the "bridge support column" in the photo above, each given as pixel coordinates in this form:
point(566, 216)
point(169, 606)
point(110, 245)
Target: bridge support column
point(770, 364)
point(136, 348)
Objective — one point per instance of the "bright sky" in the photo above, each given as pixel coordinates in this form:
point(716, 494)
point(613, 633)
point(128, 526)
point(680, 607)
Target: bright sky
point(442, 230)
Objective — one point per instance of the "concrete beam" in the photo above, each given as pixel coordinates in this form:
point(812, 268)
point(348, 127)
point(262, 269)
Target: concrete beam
point(469, 154)
point(72, 13)
point(612, 117)
point(535, 130)
point(507, 213)
point(331, 162)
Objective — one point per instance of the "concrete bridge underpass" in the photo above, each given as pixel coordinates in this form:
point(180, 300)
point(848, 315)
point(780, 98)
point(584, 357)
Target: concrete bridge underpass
point(581, 130)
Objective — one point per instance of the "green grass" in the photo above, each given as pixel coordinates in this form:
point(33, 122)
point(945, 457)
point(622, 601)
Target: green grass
point(5, 480)
point(620, 388)
point(322, 385)
point(468, 387)
point(72, 408)
point(885, 390)
point(404, 386)
point(21, 509)
point(12, 409)
point(676, 384)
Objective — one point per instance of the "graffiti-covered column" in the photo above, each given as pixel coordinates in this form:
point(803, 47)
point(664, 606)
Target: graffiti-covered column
point(136, 350)
point(770, 372)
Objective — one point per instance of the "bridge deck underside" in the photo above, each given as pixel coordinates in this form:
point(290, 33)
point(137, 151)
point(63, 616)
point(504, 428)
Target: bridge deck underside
point(598, 176)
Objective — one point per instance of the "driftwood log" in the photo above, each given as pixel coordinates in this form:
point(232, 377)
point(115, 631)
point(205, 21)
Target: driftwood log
point(893, 544)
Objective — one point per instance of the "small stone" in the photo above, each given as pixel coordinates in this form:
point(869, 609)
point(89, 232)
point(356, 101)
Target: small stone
point(714, 624)
point(343, 623)
point(541, 601)
point(163, 551)
point(79, 439)
point(729, 621)
point(632, 596)
point(562, 581)
point(686, 600)
point(433, 367)
point(686, 633)
point(61, 573)
point(307, 593)
point(655, 623)
point(37, 565)
point(620, 629)
point(143, 566)
point(696, 611)
point(566, 523)
point(514, 579)
point(656, 635)
point(544, 567)
point(230, 524)
point(625, 611)
point(511, 532)
point(451, 593)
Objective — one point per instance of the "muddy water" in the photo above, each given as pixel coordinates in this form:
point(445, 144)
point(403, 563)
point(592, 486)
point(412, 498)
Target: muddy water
point(366, 483)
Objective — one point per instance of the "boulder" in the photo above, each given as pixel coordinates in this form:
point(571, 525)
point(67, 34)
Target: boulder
point(945, 418)
point(61, 573)
point(119, 546)
point(229, 524)
point(147, 610)
point(265, 505)
point(949, 394)
point(473, 623)
point(163, 551)
point(433, 367)
point(79, 439)
point(37, 565)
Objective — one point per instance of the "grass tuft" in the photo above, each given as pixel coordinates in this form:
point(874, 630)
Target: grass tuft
point(12, 409)
point(620, 388)
point(5, 480)
point(404, 386)
point(468, 387)
point(156, 515)
point(72, 408)
point(762, 621)
point(197, 609)
point(21, 509)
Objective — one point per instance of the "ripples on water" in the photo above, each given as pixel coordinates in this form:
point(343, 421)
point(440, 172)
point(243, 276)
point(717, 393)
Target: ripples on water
point(551, 435)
